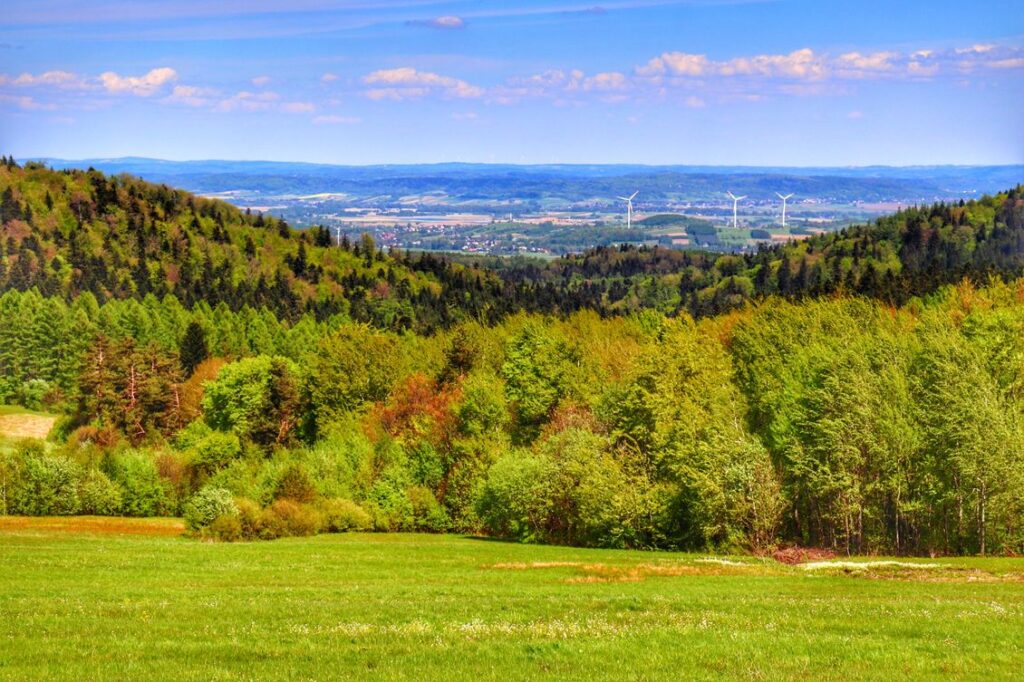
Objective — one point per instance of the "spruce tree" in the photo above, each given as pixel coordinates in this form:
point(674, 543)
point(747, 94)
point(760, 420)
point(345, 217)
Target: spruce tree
point(193, 349)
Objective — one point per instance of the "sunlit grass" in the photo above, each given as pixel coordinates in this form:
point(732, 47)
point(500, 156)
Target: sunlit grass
point(89, 599)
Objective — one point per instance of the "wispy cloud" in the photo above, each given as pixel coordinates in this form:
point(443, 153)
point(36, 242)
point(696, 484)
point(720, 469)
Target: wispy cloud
point(333, 120)
point(448, 22)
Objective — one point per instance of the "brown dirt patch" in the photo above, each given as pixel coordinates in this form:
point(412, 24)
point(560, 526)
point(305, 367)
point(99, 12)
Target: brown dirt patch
point(96, 525)
point(25, 425)
point(792, 556)
point(632, 573)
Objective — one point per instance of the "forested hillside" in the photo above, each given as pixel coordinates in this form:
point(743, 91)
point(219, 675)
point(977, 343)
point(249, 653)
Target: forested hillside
point(70, 232)
point(840, 421)
point(898, 257)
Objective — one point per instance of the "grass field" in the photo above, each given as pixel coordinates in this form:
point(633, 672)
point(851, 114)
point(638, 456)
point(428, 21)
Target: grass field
point(121, 599)
point(17, 422)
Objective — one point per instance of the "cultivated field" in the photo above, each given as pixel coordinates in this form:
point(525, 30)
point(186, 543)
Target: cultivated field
point(119, 599)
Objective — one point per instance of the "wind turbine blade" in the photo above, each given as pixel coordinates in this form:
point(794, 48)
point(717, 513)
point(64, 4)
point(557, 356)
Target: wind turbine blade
point(634, 195)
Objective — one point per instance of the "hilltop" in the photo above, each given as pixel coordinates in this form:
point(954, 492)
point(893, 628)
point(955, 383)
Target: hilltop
point(69, 232)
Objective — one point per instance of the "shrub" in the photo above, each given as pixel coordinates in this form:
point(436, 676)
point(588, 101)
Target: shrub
point(144, 492)
point(427, 512)
point(32, 394)
point(287, 518)
point(295, 484)
point(226, 528)
point(249, 518)
point(207, 505)
point(48, 485)
point(99, 495)
point(341, 515)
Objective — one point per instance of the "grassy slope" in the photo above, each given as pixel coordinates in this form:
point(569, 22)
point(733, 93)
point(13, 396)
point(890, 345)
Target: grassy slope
point(17, 423)
point(85, 606)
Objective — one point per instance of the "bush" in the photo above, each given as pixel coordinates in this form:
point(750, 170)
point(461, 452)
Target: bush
point(249, 518)
point(341, 516)
point(295, 484)
point(99, 495)
point(287, 518)
point(32, 394)
point(428, 514)
point(207, 505)
point(48, 485)
point(144, 492)
point(226, 528)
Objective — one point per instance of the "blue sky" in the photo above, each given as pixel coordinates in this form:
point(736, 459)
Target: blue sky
point(787, 82)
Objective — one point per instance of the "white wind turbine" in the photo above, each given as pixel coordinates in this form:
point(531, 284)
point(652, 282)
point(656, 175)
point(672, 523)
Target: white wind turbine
point(735, 203)
point(784, 198)
point(629, 208)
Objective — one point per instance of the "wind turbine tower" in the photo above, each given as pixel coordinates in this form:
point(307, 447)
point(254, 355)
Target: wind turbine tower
point(629, 208)
point(783, 207)
point(337, 235)
point(735, 203)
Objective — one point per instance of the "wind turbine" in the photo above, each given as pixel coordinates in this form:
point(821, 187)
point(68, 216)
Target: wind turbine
point(337, 234)
point(629, 208)
point(735, 203)
point(783, 207)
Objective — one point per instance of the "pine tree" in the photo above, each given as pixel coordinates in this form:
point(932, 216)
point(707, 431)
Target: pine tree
point(193, 349)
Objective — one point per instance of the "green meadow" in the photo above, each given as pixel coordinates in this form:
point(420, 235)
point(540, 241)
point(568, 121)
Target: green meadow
point(116, 599)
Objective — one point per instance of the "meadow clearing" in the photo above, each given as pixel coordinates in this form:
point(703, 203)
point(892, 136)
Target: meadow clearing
point(90, 598)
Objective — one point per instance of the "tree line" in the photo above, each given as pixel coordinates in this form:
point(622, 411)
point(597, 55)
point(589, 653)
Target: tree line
point(842, 423)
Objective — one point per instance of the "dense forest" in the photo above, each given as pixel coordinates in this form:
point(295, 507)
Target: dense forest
point(365, 390)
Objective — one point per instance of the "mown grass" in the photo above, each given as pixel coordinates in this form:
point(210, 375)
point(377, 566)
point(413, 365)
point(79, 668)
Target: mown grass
point(103, 602)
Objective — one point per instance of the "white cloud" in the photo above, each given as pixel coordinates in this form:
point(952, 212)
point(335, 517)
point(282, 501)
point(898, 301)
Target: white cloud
point(408, 83)
point(329, 77)
point(142, 86)
point(298, 107)
point(336, 120)
point(676, 64)
point(260, 81)
point(63, 80)
point(191, 95)
point(976, 49)
point(248, 101)
point(857, 65)
point(465, 116)
point(609, 80)
point(855, 114)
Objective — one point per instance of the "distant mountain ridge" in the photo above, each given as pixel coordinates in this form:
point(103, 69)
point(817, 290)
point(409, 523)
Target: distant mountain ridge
point(566, 183)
